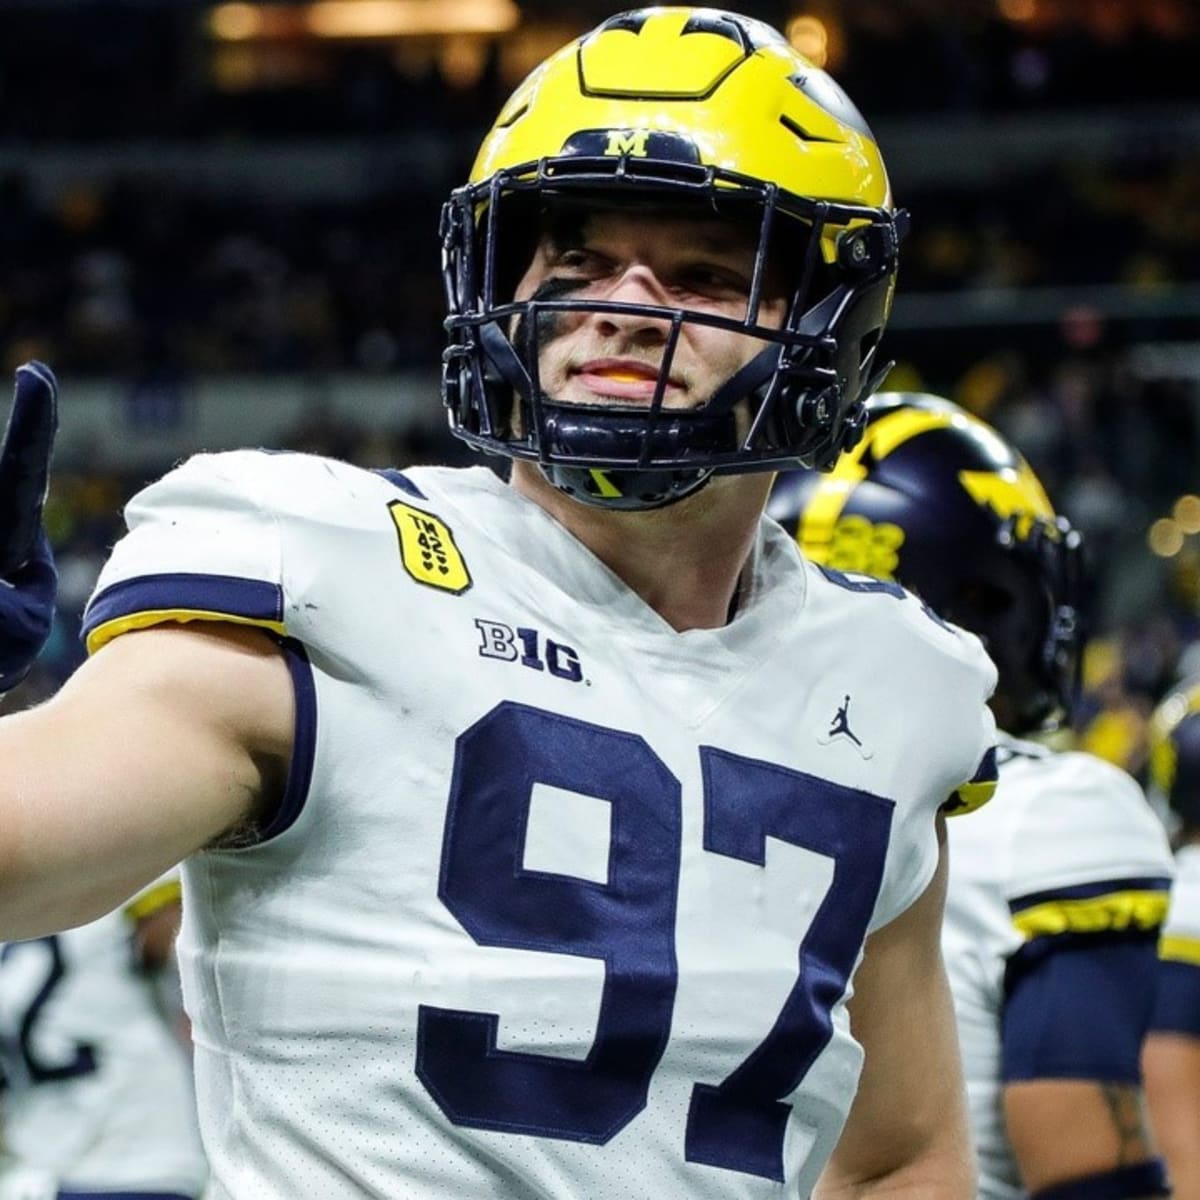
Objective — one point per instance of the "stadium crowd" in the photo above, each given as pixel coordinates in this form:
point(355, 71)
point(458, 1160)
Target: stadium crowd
point(135, 277)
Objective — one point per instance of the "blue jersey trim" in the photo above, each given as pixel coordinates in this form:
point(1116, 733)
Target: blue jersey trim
point(987, 771)
point(71, 1194)
point(304, 747)
point(1140, 1180)
point(402, 481)
point(249, 599)
point(1177, 1006)
point(1087, 891)
point(1077, 1007)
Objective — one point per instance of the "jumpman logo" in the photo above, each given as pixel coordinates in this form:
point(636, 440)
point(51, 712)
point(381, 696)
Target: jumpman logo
point(840, 727)
point(841, 723)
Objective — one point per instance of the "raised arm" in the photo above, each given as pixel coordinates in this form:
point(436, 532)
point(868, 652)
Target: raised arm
point(906, 1137)
point(165, 741)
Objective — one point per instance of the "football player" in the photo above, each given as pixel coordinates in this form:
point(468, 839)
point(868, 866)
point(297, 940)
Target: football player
point(1057, 889)
point(523, 856)
point(99, 1097)
point(1171, 1056)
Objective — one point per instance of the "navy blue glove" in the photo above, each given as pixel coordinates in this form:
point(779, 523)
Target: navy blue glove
point(28, 580)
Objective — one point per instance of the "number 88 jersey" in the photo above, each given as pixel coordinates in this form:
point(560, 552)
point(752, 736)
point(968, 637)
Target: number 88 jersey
point(559, 902)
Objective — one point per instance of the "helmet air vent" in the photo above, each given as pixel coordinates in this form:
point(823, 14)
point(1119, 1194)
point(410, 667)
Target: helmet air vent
point(510, 119)
point(799, 130)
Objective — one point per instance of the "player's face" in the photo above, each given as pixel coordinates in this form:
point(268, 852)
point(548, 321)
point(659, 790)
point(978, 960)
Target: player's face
point(648, 258)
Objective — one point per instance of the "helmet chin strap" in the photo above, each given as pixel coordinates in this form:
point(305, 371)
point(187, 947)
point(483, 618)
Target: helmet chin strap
point(631, 488)
point(625, 491)
point(625, 488)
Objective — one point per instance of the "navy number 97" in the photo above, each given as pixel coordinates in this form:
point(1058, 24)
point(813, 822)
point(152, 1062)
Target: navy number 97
point(628, 922)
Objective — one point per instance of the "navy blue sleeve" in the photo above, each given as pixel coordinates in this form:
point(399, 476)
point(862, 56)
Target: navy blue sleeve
point(1177, 1005)
point(1077, 1007)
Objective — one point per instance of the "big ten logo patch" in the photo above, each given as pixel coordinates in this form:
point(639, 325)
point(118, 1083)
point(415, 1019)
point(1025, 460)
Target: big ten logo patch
point(865, 547)
point(529, 648)
point(427, 549)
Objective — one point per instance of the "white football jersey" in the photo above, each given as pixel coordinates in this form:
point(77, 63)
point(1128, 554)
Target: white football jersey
point(99, 1092)
point(1069, 843)
point(1183, 917)
point(1179, 948)
point(560, 902)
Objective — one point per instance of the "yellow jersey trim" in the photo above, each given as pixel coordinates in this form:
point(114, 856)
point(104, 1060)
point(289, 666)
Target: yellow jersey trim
point(1098, 914)
point(1177, 948)
point(105, 633)
point(968, 797)
point(153, 899)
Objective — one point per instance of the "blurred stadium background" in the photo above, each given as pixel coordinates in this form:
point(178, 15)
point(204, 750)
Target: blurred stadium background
point(218, 222)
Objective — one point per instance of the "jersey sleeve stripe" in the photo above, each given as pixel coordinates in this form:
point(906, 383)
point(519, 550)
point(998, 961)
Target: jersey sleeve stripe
point(139, 1195)
point(977, 790)
point(147, 903)
point(1118, 909)
point(402, 481)
point(1176, 948)
point(1089, 891)
point(304, 744)
point(148, 600)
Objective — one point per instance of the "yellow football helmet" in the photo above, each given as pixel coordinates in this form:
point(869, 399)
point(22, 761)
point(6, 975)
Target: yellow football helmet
point(691, 109)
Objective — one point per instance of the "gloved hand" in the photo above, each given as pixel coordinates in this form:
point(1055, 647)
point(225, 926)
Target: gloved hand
point(28, 580)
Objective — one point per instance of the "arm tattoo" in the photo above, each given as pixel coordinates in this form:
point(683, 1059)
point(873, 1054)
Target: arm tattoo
point(1128, 1121)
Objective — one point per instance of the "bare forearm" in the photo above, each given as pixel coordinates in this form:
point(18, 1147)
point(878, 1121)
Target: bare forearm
point(935, 1164)
point(945, 1172)
point(906, 1136)
point(1172, 1068)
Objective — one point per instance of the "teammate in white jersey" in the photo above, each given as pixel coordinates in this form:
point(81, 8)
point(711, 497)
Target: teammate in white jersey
point(98, 1094)
point(1058, 888)
point(537, 833)
point(1171, 1056)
